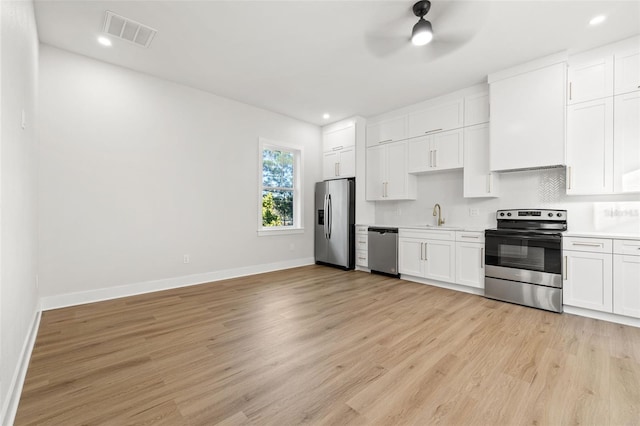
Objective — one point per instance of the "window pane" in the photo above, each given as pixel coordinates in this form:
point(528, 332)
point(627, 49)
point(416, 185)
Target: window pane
point(277, 168)
point(277, 208)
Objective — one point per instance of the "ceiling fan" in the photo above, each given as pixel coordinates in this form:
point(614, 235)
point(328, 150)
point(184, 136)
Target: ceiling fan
point(422, 32)
point(456, 23)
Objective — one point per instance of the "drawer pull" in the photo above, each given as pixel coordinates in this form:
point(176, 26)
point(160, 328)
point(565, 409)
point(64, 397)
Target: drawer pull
point(431, 131)
point(470, 236)
point(565, 268)
point(587, 244)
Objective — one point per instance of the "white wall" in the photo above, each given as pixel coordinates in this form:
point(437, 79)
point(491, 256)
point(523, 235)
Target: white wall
point(136, 171)
point(18, 226)
point(518, 190)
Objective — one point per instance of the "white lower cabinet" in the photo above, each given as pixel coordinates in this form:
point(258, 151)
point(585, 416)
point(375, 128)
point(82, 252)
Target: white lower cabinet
point(362, 246)
point(626, 277)
point(427, 254)
point(588, 273)
point(470, 259)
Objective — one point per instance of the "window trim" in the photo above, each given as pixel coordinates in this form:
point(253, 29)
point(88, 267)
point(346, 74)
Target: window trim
point(298, 185)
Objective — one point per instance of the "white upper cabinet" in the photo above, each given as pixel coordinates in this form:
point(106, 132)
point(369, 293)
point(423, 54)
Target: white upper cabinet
point(626, 143)
point(387, 177)
point(440, 151)
point(528, 107)
point(386, 131)
point(590, 147)
point(339, 152)
point(340, 138)
point(589, 78)
point(440, 117)
point(478, 180)
point(476, 109)
point(627, 71)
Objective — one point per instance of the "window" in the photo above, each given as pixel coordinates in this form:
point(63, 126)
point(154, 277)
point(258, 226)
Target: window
point(280, 192)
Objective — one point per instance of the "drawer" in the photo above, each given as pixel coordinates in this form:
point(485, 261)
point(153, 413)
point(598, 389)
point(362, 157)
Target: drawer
point(362, 228)
point(361, 258)
point(594, 245)
point(428, 235)
point(470, 236)
point(362, 242)
point(628, 247)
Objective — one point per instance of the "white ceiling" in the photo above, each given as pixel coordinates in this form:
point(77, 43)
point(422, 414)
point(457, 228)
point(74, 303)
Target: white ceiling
point(304, 58)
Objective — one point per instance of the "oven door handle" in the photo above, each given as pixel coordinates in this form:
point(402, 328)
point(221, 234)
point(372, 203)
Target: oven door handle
point(539, 237)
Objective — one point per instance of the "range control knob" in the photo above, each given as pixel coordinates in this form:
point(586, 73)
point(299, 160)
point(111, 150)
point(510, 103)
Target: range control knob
point(559, 215)
point(508, 214)
point(551, 214)
point(501, 214)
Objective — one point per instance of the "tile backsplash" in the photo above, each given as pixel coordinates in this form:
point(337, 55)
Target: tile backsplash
point(518, 190)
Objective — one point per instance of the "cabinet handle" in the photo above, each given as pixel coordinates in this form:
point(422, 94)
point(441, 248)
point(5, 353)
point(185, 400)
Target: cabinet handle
point(482, 257)
point(386, 140)
point(335, 169)
point(425, 251)
point(569, 178)
point(569, 90)
point(337, 148)
point(338, 169)
point(421, 251)
point(587, 244)
point(430, 158)
point(470, 236)
point(431, 131)
point(435, 158)
point(565, 268)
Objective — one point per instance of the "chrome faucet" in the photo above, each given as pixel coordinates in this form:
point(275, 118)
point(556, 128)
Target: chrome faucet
point(437, 211)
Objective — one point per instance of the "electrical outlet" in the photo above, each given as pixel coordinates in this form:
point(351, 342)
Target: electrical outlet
point(474, 212)
point(186, 258)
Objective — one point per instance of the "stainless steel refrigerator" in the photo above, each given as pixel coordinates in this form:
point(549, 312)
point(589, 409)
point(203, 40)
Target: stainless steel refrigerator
point(335, 223)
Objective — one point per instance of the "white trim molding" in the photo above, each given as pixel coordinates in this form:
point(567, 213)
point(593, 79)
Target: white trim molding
point(91, 296)
point(10, 406)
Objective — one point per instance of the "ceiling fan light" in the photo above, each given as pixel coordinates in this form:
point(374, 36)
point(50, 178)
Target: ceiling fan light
point(422, 33)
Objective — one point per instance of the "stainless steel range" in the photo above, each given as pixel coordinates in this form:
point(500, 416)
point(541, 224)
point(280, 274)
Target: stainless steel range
point(523, 258)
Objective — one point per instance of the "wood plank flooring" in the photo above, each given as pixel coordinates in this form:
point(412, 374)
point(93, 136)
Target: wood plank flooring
point(318, 345)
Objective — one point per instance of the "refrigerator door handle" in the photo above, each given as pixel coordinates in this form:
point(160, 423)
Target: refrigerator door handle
point(330, 215)
point(326, 219)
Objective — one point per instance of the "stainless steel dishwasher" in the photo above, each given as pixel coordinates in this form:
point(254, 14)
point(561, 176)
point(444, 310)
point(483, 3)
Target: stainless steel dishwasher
point(383, 250)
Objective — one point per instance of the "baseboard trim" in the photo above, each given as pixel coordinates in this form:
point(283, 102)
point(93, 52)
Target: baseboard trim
point(10, 407)
point(442, 284)
point(604, 316)
point(98, 295)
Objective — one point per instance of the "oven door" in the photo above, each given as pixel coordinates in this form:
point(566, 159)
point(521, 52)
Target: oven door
point(530, 257)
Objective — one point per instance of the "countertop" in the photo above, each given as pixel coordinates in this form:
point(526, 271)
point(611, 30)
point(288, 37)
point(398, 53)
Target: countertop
point(428, 227)
point(612, 235)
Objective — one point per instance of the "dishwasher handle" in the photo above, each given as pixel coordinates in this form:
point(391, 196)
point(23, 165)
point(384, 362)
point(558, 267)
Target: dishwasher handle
point(380, 230)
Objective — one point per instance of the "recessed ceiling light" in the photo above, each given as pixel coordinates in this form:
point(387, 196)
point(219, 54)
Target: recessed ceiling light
point(326, 116)
point(597, 20)
point(104, 41)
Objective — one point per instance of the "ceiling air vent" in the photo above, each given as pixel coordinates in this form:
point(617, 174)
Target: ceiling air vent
point(127, 29)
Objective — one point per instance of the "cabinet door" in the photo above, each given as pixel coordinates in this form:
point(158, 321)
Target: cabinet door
point(438, 118)
point(397, 175)
point(440, 260)
point(347, 163)
point(626, 143)
point(627, 71)
point(470, 264)
point(478, 181)
point(411, 256)
point(476, 109)
point(419, 154)
point(375, 172)
point(330, 165)
point(590, 147)
point(626, 285)
point(447, 150)
point(588, 280)
point(528, 119)
point(590, 80)
point(339, 139)
point(390, 130)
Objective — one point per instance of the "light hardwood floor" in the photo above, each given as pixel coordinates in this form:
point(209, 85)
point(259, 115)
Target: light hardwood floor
point(321, 346)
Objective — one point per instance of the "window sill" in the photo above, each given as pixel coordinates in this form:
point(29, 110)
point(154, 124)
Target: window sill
point(279, 231)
